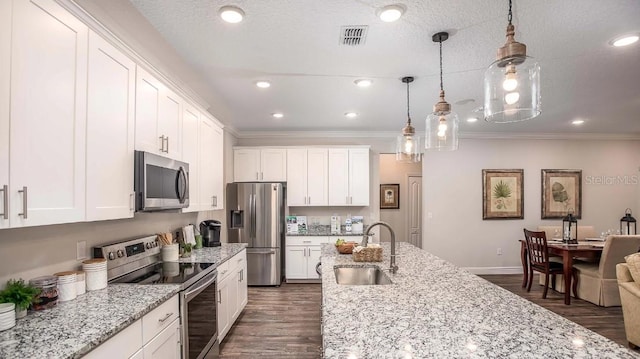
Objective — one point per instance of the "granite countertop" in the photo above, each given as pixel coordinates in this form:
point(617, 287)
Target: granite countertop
point(72, 329)
point(435, 310)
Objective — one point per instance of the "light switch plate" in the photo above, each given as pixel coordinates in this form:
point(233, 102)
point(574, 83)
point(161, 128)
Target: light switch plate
point(81, 250)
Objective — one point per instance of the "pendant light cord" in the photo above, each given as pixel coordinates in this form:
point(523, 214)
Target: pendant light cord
point(408, 115)
point(510, 14)
point(441, 88)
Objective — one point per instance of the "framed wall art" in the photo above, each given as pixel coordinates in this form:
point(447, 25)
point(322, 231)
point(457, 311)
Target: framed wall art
point(390, 196)
point(561, 193)
point(502, 194)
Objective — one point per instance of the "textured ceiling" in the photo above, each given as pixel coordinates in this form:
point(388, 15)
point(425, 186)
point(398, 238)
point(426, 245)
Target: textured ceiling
point(295, 45)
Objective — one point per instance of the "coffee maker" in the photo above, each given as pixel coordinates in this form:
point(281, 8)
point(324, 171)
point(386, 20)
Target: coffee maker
point(210, 230)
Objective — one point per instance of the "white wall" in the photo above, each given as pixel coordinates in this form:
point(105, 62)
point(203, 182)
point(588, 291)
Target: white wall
point(452, 187)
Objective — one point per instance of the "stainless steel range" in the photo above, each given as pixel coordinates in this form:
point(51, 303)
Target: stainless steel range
point(138, 261)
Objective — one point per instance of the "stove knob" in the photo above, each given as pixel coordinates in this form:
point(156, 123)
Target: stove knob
point(148, 245)
point(120, 253)
point(112, 256)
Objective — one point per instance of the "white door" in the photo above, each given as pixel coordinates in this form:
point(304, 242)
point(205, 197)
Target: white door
point(110, 131)
point(5, 85)
point(246, 165)
point(273, 165)
point(296, 262)
point(338, 177)
point(148, 93)
point(312, 261)
point(317, 177)
point(297, 177)
point(414, 215)
point(170, 120)
point(165, 345)
point(359, 177)
point(191, 154)
point(208, 167)
point(48, 115)
point(217, 155)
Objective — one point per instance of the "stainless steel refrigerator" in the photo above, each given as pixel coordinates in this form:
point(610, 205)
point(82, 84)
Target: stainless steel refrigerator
point(257, 217)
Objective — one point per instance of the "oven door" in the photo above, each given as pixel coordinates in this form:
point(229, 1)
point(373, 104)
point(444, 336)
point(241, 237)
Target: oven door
point(160, 182)
point(199, 319)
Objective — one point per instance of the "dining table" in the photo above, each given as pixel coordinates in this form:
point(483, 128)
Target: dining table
point(589, 250)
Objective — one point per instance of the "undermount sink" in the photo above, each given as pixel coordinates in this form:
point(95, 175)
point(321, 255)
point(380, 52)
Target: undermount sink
point(360, 276)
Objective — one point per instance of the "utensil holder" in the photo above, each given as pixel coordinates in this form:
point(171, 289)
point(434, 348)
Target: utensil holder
point(170, 252)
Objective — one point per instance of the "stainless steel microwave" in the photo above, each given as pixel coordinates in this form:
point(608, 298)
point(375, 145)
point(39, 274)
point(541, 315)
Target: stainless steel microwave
point(160, 183)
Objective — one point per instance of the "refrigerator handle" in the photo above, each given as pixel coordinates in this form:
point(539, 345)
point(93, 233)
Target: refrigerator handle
point(253, 216)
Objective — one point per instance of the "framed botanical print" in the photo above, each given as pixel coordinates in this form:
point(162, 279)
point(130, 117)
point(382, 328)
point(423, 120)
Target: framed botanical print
point(502, 194)
point(561, 193)
point(390, 196)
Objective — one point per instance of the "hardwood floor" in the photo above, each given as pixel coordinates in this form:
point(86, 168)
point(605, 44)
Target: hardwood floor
point(284, 322)
point(277, 322)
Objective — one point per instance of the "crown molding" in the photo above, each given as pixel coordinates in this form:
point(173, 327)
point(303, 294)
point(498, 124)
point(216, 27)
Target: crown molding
point(463, 135)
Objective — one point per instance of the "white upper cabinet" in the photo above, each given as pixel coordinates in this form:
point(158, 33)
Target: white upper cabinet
point(110, 131)
point(48, 112)
point(5, 86)
point(212, 164)
point(158, 117)
point(307, 177)
point(349, 177)
point(256, 164)
point(191, 154)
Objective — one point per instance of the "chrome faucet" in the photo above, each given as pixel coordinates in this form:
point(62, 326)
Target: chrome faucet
point(393, 268)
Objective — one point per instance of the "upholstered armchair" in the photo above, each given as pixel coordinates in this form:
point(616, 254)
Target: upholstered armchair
point(630, 298)
point(597, 282)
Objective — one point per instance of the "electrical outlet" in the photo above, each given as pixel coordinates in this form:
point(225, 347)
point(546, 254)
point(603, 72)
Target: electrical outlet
point(81, 250)
point(499, 251)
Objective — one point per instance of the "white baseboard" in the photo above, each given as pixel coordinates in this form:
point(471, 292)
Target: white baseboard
point(494, 270)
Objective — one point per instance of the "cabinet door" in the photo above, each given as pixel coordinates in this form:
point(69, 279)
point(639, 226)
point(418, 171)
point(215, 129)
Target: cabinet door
point(273, 165)
point(170, 122)
point(296, 262)
point(227, 304)
point(312, 261)
point(110, 131)
point(297, 177)
point(126, 344)
point(359, 177)
point(165, 345)
point(210, 165)
point(48, 114)
point(191, 155)
point(317, 177)
point(5, 86)
point(148, 94)
point(217, 157)
point(338, 177)
point(246, 165)
point(243, 295)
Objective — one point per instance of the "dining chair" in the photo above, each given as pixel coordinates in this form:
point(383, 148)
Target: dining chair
point(538, 253)
point(597, 282)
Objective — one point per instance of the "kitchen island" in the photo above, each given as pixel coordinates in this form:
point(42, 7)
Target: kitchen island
point(435, 310)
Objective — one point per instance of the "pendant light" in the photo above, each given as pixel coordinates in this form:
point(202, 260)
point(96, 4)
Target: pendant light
point(512, 83)
point(408, 144)
point(442, 124)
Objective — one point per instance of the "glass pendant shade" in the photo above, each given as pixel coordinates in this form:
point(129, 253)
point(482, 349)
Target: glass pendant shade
point(408, 148)
point(512, 90)
point(442, 132)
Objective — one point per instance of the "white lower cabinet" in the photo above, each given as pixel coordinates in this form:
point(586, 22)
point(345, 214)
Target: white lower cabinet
point(232, 292)
point(302, 255)
point(156, 335)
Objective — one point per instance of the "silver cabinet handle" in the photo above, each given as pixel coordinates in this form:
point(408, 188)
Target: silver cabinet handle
point(161, 143)
point(242, 274)
point(219, 297)
point(309, 200)
point(261, 176)
point(306, 241)
point(24, 202)
point(167, 144)
point(5, 201)
point(167, 316)
point(132, 197)
point(257, 176)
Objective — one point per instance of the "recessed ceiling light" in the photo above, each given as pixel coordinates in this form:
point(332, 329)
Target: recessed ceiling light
point(231, 14)
point(363, 82)
point(625, 40)
point(391, 13)
point(277, 115)
point(472, 119)
point(351, 114)
point(263, 84)
point(577, 122)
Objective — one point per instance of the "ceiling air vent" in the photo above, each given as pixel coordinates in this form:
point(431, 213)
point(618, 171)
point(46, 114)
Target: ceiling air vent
point(353, 35)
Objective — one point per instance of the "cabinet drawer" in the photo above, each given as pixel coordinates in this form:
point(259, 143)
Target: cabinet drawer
point(306, 241)
point(223, 270)
point(122, 345)
point(158, 319)
point(237, 261)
